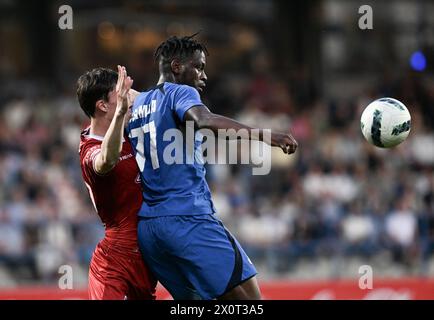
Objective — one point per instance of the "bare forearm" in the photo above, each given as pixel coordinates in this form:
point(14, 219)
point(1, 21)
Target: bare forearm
point(112, 144)
point(233, 129)
point(203, 118)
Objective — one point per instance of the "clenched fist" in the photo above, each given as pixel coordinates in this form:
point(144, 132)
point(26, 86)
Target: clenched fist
point(285, 141)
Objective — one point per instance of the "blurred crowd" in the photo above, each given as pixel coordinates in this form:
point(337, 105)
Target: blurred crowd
point(339, 196)
point(336, 197)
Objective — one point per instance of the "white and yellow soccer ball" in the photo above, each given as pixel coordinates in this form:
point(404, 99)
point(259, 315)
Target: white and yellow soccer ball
point(385, 122)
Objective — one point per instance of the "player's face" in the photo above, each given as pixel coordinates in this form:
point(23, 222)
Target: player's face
point(111, 104)
point(193, 73)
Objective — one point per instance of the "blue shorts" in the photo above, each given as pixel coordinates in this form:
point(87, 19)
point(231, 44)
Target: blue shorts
point(193, 256)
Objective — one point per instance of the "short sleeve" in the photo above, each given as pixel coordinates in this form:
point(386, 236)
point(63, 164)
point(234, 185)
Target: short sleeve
point(89, 159)
point(186, 97)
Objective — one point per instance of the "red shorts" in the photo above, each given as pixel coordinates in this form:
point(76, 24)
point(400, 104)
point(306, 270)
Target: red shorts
point(119, 274)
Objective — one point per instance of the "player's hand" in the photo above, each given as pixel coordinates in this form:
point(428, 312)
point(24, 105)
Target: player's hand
point(123, 87)
point(285, 141)
point(132, 95)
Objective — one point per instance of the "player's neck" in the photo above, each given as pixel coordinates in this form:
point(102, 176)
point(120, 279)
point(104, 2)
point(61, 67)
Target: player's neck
point(166, 78)
point(99, 127)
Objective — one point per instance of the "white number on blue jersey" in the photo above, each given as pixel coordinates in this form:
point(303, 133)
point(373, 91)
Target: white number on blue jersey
point(139, 133)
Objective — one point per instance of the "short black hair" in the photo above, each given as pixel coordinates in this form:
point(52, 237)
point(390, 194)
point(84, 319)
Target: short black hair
point(93, 86)
point(176, 47)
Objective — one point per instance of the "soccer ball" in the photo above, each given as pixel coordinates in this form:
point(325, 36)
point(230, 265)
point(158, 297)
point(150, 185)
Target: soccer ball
point(385, 122)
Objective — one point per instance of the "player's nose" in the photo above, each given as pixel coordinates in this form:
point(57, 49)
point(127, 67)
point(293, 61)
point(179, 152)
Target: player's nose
point(203, 76)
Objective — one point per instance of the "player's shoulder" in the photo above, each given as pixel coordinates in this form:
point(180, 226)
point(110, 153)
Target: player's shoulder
point(183, 91)
point(172, 91)
point(149, 93)
point(88, 141)
point(184, 87)
point(165, 88)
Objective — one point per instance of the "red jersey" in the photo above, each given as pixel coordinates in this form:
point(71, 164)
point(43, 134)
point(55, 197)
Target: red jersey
point(117, 195)
point(117, 270)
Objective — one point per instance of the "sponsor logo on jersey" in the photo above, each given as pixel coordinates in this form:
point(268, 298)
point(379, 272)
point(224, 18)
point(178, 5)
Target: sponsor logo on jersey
point(125, 157)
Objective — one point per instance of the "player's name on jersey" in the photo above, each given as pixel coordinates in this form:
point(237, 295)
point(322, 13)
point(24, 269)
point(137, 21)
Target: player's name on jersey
point(144, 110)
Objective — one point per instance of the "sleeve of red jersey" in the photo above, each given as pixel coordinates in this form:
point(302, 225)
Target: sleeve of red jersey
point(89, 154)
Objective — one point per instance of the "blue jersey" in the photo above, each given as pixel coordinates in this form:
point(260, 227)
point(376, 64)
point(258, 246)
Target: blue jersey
point(170, 162)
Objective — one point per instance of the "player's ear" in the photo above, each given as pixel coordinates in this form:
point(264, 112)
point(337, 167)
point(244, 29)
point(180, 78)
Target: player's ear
point(176, 66)
point(100, 105)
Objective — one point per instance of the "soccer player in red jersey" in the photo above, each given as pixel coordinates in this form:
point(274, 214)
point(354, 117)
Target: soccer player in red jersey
point(109, 169)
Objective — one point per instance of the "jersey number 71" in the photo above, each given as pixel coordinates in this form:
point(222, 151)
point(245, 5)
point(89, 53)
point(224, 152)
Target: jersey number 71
point(139, 133)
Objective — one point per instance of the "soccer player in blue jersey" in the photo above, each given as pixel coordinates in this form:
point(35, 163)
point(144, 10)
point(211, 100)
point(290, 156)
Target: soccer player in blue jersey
point(186, 246)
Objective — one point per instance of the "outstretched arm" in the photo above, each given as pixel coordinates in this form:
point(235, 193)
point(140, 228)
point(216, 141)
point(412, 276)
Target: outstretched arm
point(112, 144)
point(203, 118)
